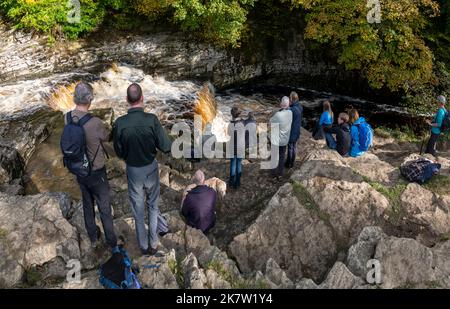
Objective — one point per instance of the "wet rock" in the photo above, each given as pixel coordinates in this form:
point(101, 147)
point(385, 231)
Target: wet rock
point(19, 136)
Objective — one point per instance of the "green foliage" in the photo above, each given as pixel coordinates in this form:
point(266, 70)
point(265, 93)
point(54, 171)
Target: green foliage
point(403, 134)
point(391, 53)
point(51, 16)
point(438, 184)
point(219, 21)
point(393, 194)
point(407, 51)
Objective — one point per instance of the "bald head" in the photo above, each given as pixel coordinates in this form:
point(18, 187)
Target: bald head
point(134, 94)
point(199, 178)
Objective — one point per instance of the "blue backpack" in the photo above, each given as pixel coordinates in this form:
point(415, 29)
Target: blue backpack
point(117, 272)
point(73, 146)
point(365, 136)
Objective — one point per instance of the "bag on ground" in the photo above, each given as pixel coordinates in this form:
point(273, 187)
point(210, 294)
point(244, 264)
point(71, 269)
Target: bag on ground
point(73, 146)
point(162, 226)
point(117, 272)
point(420, 170)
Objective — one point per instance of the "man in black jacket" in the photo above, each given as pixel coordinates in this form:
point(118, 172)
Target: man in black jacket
point(137, 137)
point(342, 131)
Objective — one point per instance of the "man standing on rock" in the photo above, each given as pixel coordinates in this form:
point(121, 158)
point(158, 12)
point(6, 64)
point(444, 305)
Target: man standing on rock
point(281, 122)
point(297, 112)
point(436, 125)
point(137, 137)
point(95, 186)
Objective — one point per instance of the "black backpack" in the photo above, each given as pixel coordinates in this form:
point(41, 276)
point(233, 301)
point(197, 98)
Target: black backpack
point(73, 146)
point(445, 127)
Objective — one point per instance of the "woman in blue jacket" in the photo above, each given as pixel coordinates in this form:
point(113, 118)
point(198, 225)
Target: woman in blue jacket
point(326, 120)
point(355, 120)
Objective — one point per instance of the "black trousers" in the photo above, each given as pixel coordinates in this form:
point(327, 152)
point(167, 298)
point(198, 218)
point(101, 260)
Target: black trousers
point(95, 188)
point(431, 147)
point(279, 171)
point(292, 149)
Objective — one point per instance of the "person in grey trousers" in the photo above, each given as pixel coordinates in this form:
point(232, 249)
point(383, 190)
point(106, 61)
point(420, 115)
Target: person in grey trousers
point(137, 138)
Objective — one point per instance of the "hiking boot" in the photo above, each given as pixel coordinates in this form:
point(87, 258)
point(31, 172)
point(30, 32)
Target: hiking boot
point(99, 232)
point(161, 234)
point(95, 244)
point(149, 252)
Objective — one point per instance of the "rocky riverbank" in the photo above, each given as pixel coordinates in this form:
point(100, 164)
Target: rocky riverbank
point(317, 228)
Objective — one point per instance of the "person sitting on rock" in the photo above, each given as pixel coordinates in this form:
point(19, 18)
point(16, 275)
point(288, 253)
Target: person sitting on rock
point(343, 137)
point(356, 122)
point(326, 121)
point(436, 125)
point(199, 205)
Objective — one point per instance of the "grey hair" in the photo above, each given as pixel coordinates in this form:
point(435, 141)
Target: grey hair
point(284, 102)
point(442, 99)
point(83, 94)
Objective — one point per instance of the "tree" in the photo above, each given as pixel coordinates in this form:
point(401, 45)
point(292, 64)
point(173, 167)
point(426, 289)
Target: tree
point(391, 53)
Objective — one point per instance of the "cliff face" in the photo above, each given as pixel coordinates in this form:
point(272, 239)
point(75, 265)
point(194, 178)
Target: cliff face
point(175, 56)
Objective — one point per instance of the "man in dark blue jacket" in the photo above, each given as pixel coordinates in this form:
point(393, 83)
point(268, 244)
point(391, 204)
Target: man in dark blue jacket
point(297, 112)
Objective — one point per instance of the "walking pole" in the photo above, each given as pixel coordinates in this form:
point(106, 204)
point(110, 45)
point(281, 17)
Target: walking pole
point(421, 147)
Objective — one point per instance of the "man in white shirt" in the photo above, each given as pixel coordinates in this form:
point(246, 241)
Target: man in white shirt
point(281, 129)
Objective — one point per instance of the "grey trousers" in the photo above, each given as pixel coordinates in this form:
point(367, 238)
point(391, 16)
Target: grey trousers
point(143, 191)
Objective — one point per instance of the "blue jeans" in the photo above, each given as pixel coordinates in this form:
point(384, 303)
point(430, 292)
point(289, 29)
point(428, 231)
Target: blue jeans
point(331, 142)
point(235, 171)
point(143, 191)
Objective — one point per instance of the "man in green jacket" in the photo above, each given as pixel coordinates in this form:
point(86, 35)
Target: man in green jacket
point(137, 138)
point(436, 125)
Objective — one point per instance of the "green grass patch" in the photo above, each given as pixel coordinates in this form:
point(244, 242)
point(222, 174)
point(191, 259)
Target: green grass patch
point(308, 202)
point(393, 194)
point(438, 184)
point(32, 277)
point(175, 268)
point(234, 282)
point(403, 134)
